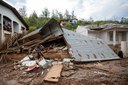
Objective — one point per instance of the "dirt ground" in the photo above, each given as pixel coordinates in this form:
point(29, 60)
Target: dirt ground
point(113, 72)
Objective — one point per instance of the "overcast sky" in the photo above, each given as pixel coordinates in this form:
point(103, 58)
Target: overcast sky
point(84, 9)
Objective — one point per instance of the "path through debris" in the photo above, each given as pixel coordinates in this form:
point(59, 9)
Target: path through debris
point(94, 73)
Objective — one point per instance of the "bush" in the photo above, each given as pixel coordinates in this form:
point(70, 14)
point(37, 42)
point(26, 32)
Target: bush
point(31, 28)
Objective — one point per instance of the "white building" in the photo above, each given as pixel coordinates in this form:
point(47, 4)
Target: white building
point(10, 22)
point(112, 34)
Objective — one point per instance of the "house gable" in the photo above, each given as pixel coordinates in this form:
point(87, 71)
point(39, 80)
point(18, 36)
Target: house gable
point(12, 10)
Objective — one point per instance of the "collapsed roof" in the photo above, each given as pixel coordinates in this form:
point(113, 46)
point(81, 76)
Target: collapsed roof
point(80, 47)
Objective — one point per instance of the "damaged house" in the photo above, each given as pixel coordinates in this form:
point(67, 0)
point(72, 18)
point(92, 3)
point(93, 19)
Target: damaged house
point(112, 34)
point(11, 23)
point(61, 43)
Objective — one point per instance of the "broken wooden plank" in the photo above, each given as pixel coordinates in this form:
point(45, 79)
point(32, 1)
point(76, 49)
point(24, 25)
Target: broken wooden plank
point(53, 55)
point(32, 42)
point(55, 38)
point(54, 74)
point(42, 41)
point(9, 42)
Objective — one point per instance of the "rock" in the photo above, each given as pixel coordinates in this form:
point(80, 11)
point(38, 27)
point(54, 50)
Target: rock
point(103, 84)
point(68, 73)
point(12, 82)
point(24, 72)
point(28, 80)
point(3, 81)
point(21, 68)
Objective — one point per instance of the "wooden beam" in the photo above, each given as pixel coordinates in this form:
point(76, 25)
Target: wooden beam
point(42, 41)
point(54, 74)
point(32, 42)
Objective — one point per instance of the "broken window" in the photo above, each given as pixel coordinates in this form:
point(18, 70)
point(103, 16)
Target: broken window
point(0, 21)
point(123, 36)
point(15, 27)
point(111, 36)
point(7, 24)
point(117, 36)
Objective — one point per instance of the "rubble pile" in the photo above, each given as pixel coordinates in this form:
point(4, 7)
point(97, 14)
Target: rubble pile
point(53, 54)
point(96, 73)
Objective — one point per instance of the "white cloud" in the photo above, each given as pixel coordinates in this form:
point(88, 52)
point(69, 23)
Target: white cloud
point(17, 4)
point(39, 5)
point(105, 9)
point(97, 9)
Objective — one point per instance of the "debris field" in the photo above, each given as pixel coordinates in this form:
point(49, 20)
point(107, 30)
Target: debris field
point(52, 55)
point(97, 73)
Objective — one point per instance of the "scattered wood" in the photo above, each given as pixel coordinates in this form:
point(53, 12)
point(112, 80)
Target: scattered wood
point(53, 55)
point(42, 41)
point(3, 58)
point(54, 38)
point(54, 74)
point(32, 42)
point(9, 41)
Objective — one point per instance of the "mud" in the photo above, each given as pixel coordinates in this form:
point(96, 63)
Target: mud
point(113, 72)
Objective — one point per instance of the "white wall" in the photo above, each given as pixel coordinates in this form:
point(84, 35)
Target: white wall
point(0, 36)
point(7, 12)
point(1, 33)
point(127, 37)
point(82, 30)
point(104, 35)
point(93, 34)
point(0, 18)
point(0, 30)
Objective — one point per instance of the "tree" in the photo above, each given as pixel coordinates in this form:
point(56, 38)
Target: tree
point(60, 15)
point(45, 13)
point(57, 15)
point(33, 19)
point(73, 15)
point(124, 20)
point(67, 15)
point(91, 19)
point(53, 14)
point(22, 12)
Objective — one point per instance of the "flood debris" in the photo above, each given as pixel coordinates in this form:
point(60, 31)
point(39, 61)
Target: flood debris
point(55, 42)
point(54, 73)
point(50, 50)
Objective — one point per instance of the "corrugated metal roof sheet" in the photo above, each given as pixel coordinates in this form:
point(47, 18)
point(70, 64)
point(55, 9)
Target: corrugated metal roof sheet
point(85, 48)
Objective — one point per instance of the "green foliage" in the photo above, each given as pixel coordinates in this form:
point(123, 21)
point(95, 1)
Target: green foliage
point(68, 26)
point(31, 28)
point(45, 13)
point(73, 15)
point(104, 22)
point(83, 22)
point(55, 14)
point(34, 21)
point(124, 20)
point(42, 21)
point(71, 26)
point(67, 15)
